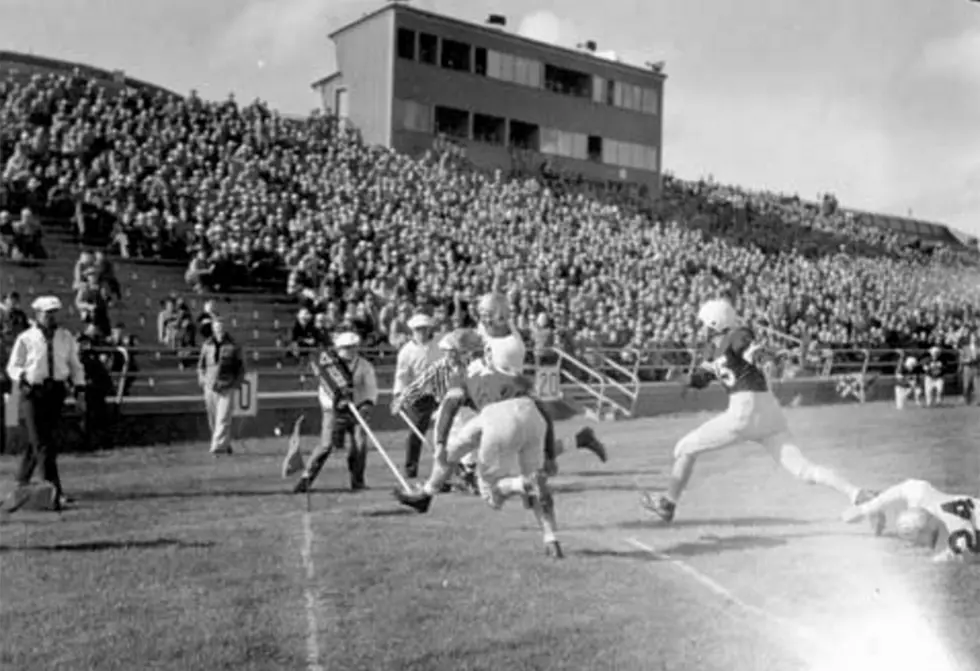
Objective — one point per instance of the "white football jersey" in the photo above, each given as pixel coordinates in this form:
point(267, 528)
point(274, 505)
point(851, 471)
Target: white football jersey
point(486, 384)
point(960, 515)
point(505, 353)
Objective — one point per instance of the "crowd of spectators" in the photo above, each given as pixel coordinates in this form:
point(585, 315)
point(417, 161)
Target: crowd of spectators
point(362, 236)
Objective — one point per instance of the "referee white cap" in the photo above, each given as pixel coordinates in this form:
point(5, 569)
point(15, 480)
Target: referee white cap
point(346, 339)
point(420, 321)
point(46, 304)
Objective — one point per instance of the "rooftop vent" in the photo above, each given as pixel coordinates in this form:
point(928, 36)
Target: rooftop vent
point(497, 21)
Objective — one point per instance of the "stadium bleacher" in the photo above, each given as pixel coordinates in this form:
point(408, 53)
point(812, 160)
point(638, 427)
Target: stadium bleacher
point(155, 178)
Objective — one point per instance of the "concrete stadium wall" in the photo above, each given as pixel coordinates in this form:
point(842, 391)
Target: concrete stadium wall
point(149, 422)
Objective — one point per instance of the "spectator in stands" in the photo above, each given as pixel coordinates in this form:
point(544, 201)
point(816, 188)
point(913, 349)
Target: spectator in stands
point(28, 237)
point(167, 322)
point(305, 336)
point(200, 273)
point(97, 433)
point(92, 303)
point(122, 357)
point(208, 314)
point(6, 235)
point(13, 320)
point(83, 266)
point(399, 332)
point(105, 276)
point(543, 337)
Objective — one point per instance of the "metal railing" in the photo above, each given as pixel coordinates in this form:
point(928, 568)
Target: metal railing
point(597, 391)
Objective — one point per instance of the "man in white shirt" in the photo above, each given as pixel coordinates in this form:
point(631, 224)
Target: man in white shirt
point(43, 363)
point(414, 358)
point(338, 420)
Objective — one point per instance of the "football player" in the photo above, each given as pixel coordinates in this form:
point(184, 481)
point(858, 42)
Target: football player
point(928, 517)
point(508, 435)
point(907, 382)
point(753, 415)
point(504, 350)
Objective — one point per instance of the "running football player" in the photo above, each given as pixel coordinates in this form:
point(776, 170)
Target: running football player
point(504, 350)
point(928, 517)
point(508, 436)
point(753, 415)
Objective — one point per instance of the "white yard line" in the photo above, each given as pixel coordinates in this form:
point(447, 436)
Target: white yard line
point(810, 638)
point(312, 607)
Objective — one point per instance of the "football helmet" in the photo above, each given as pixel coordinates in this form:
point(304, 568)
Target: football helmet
point(910, 362)
point(718, 315)
point(493, 309)
point(918, 527)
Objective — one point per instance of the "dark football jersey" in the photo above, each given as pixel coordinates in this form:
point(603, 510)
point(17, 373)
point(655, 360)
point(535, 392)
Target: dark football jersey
point(907, 376)
point(728, 364)
point(933, 368)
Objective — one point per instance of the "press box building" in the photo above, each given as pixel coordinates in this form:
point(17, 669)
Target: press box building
point(408, 77)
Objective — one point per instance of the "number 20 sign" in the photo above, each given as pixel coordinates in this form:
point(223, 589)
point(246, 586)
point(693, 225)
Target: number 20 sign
point(547, 383)
point(246, 399)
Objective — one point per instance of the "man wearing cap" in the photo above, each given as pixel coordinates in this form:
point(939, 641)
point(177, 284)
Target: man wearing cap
point(414, 358)
point(220, 372)
point(44, 362)
point(338, 420)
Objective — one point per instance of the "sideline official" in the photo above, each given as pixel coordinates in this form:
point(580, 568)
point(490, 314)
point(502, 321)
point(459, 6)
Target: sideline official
point(338, 420)
point(220, 372)
point(44, 362)
point(414, 358)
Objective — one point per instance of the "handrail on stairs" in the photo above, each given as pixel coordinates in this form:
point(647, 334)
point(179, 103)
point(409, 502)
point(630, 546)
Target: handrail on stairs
point(600, 379)
point(632, 394)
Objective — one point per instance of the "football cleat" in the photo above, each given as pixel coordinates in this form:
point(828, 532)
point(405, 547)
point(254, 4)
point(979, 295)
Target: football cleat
point(659, 506)
point(553, 549)
point(877, 521)
point(587, 440)
point(417, 501)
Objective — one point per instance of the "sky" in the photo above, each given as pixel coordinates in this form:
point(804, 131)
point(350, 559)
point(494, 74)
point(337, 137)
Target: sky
point(876, 101)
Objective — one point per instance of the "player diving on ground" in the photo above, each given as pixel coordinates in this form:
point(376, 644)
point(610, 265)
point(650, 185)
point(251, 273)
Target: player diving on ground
point(753, 415)
point(929, 518)
point(507, 433)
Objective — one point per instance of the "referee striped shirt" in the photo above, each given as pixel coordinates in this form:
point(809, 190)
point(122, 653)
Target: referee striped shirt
point(436, 380)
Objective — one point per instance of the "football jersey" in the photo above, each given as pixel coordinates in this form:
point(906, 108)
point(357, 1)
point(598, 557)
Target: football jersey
point(959, 514)
point(933, 368)
point(906, 376)
point(486, 385)
point(731, 362)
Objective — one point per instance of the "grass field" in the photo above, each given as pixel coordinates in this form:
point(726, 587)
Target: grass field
point(174, 560)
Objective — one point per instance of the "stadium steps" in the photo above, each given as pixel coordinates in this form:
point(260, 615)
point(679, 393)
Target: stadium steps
point(257, 319)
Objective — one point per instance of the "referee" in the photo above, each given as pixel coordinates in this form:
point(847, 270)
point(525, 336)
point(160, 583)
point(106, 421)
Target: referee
point(43, 361)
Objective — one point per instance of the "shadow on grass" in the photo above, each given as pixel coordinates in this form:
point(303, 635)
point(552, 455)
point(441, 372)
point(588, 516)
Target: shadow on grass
point(612, 473)
point(106, 495)
point(579, 487)
point(703, 546)
point(762, 521)
point(99, 546)
point(388, 512)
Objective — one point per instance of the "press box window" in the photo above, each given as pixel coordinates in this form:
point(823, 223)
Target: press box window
point(428, 48)
point(456, 55)
point(406, 44)
point(452, 122)
point(480, 61)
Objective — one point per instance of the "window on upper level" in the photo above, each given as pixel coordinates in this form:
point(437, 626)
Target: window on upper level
point(524, 135)
point(456, 55)
point(510, 68)
point(428, 48)
point(567, 82)
point(405, 43)
point(594, 148)
point(413, 116)
point(489, 129)
point(452, 122)
point(480, 61)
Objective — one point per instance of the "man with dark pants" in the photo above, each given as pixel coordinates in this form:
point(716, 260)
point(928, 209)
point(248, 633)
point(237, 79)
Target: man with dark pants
point(969, 365)
point(414, 358)
point(43, 361)
point(338, 420)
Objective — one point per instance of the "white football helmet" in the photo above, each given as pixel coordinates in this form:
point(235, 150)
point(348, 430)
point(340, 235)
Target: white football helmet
point(718, 315)
point(935, 352)
point(493, 309)
point(910, 362)
point(918, 527)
